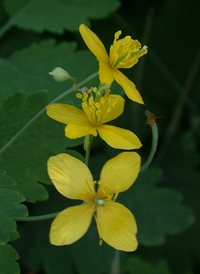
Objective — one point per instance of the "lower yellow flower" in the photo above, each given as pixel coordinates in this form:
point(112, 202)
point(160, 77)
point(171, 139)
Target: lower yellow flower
point(115, 223)
point(97, 110)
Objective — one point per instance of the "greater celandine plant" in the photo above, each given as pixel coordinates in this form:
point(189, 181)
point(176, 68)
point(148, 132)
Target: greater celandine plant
point(116, 225)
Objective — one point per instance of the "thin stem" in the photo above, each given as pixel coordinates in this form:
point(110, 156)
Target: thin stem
point(37, 218)
point(61, 96)
point(87, 156)
point(87, 146)
point(139, 72)
point(172, 80)
point(179, 107)
point(154, 130)
point(115, 265)
point(138, 79)
point(122, 22)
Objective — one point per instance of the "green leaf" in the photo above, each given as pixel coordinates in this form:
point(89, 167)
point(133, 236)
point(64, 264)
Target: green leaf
point(57, 15)
point(184, 175)
point(6, 180)
point(8, 257)
point(159, 211)
point(10, 208)
point(26, 159)
point(28, 69)
point(140, 266)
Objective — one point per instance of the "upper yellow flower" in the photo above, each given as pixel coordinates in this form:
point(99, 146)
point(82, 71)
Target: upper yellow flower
point(115, 223)
point(124, 53)
point(97, 110)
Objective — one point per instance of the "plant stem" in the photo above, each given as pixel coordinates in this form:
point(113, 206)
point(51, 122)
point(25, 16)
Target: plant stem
point(179, 107)
point(61, 96)
point(193, 106)
point(115, 265)
point(154, 130)
point(88, 148)
point(37, 218)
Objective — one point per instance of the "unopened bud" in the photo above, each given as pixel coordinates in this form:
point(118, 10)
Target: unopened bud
point(60, 75)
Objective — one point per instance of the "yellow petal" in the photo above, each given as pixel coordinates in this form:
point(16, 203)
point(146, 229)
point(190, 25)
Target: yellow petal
point(128, 86)
point(71, 224)
point(105, 73)
point(118, 137)
point(93, 43)
point(74, 131)
point(113, 109)
point(65, 114)
point(117, 226)
point(70, 176)
point(119, 173)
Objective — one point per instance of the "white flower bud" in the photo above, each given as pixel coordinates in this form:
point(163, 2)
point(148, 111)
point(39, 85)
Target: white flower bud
point(60, 75)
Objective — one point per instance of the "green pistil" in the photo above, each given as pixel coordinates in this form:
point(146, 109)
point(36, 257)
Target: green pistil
point(139, 51)
point(97, 94)
point(120, 59)
point(104, 87)
point(98, 201)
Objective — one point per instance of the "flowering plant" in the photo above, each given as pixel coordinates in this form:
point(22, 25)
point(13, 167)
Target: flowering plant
point(74, 153)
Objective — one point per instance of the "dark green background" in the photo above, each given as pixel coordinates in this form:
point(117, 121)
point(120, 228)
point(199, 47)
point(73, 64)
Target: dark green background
point(36, 36)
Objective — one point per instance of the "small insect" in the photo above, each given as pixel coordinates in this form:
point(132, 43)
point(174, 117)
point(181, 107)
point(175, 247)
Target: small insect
point(150, 118)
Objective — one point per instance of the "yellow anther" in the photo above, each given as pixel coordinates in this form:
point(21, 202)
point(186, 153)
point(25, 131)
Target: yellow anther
point(79, 95)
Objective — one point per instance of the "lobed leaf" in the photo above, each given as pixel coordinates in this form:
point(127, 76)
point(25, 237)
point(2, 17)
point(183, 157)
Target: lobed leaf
point(159, 211)
point(10, 208)
point(184, 175)
point(26, 158)
point(57, 15)
point(8, 257)
point(28, 69)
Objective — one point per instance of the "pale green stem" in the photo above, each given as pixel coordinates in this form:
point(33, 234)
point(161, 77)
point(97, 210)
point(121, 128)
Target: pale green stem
point(154, 130)
point(37, 218)
point(61, 96)
point(87, 154)
point(74, 81)
point(115, 265)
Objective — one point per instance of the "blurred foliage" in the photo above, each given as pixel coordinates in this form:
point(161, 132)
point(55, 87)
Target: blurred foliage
point(37, 36)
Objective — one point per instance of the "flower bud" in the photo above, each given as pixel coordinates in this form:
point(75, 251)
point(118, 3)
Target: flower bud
point(60, 75)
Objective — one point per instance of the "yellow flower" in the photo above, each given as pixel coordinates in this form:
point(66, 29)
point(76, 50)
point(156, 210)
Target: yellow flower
point(115, 223)
point(124, 53)
point(97, 110)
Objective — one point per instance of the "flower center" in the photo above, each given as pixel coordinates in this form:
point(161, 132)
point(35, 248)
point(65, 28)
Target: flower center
point(96, 105)
point(124, 53)
point(98, 201)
